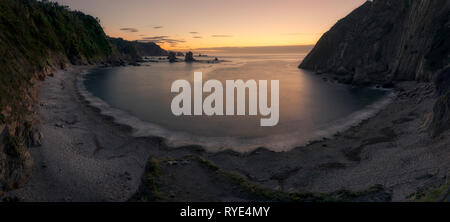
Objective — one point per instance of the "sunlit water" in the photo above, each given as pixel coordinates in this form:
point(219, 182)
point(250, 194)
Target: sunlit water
point(310, 108)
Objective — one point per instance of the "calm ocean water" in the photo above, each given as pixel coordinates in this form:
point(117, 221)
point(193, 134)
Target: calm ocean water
point(310, 108)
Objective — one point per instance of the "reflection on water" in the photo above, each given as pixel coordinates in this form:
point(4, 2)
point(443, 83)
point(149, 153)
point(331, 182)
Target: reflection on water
point(309, 107)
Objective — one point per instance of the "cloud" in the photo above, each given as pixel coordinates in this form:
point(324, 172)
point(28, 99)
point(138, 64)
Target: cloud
point(193, 32)
point(155, 37)
point(221, 36)
point(158, 27)
point(129, 29)
point(197, 37)
point(162, 39)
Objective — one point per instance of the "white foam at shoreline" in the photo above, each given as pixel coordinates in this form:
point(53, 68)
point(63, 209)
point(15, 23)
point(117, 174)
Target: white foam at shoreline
point(278, 143)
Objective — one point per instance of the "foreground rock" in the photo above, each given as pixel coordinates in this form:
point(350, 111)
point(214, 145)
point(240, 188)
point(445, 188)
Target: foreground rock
point(440, 117)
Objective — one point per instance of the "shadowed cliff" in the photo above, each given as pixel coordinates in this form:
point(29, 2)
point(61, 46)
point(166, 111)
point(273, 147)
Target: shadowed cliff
point(386, 40)
point(36, 38)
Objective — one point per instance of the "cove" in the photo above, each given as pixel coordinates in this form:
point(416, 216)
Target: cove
point(213, 103)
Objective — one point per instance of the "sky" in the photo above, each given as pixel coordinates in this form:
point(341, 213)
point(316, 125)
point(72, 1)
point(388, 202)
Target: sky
point(194, 24)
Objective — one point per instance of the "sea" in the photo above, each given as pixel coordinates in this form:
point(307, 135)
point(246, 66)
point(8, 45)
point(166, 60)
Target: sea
point(311, 107)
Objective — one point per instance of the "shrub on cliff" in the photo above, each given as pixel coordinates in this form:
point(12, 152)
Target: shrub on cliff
point(35, 36)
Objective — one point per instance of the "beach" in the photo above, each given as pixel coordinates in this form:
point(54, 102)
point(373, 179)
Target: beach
point(86, 156)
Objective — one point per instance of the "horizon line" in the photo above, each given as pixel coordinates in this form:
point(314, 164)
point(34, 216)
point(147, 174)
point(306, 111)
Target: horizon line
point(239, 47)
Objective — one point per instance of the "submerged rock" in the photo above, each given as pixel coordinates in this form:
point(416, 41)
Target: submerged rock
point(134, 64)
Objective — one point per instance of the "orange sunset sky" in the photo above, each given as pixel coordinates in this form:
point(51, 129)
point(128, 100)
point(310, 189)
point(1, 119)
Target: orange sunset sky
point(194, 24)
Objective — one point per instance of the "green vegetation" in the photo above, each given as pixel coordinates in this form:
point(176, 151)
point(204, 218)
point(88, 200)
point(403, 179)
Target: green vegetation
point(441, 193)
point(155, 177)
point(135, 50)
point(151, 180)
point(265, 194)
point(35, 35)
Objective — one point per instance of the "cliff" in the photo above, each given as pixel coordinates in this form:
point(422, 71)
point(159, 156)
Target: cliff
point(36, 38)
point(134, 50)
point(386, 40)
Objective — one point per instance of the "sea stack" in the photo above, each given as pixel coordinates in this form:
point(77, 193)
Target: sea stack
point(172, 57)
point(189, 57)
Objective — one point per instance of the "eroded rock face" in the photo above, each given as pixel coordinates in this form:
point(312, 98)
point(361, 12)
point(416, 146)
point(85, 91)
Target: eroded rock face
point(440, 117)
point(442, 81)
point(15, 160)
point(386, 40)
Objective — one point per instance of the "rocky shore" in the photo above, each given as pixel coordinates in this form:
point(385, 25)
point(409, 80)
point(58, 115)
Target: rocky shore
point(85, 156)
point(77, 154)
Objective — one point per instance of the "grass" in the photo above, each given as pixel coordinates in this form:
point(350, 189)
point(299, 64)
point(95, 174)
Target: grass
point(438, 194)
point(35, 35)
point(151, 180)
point(154, 175)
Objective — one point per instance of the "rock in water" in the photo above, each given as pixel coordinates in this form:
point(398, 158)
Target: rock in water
point(189, 57)
point(172, 57)
point(386, 40)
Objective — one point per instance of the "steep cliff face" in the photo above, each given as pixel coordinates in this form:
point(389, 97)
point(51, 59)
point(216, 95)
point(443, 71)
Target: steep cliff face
point(133, 50)
point(35, 38)
point(386, 40)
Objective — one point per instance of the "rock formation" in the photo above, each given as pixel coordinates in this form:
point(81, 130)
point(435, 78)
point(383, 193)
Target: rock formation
point(45, 36)
point(134, 51)
point(386, 40)
point(440, 117)
point(172, 57)
point(189, 57)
